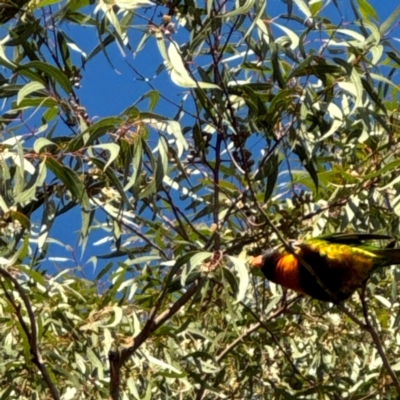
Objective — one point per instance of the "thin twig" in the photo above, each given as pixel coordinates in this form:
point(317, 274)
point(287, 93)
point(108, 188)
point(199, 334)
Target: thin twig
point(178, 213)
point(368, 327)
point(375, 337)
point(338, 203)
point(239, 339)
point(166, 98)
point(128, 227)
point(253, 327)
point(357, 321)
point(285, 306)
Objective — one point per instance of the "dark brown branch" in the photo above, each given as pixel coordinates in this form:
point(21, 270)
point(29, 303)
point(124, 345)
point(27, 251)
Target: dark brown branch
point(375, 337)
point(339, 203)
point(118, 359)
point(252, 328)
point(357, 321)
point(368, 327)
point(30, 334)
point(284, 306)
point(239, 339)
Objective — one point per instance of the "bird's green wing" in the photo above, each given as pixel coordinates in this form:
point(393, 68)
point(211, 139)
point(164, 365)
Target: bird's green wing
point(355, 239)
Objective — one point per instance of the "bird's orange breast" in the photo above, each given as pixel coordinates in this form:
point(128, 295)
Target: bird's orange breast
point(287, 272)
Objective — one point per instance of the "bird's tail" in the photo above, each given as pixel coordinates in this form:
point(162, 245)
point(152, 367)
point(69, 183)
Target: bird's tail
point(389, 256)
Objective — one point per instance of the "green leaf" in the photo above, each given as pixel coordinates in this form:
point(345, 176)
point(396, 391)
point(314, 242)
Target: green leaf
point(113, 148)
point(104, 271)
point(244, 8)
point(51, 72)
point(154, 97)
point(37, 180)
point(270, 171)
point(28, 89)
point(134, 180)
point(48, 217)
point(73, 183)
point(244, 277)
point(70, 179)
point(17, 256)
point(366, 10)
point(96, 363)
point(162, 364)
point(303, 8)
point(162, 162)
point(42, 142)
point(393, 17)
point(308, 164)
point(43, 3)
point(101, 127)
point(193, 264)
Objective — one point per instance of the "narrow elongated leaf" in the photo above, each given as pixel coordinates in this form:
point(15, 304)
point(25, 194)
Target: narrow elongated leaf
point(393, 17)
point(51, 71)
point(112, 148)
point(244, 278)
point(28, 89)
point(70, 179)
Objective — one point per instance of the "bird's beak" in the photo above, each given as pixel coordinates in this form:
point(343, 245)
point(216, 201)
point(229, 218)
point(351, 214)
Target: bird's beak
point(257, 262)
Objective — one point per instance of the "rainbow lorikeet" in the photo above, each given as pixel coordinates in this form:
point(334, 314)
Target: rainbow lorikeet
point(342, 263)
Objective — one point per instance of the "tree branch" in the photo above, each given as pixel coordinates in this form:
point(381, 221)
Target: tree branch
point(30, 334)
point(368, 327)
point(118, 359)
point(375, 337)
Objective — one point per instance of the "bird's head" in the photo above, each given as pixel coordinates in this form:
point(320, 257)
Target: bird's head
point(265, 259)
point(269, 258)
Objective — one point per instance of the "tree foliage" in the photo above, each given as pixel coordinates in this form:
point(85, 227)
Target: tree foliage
point(283, 122)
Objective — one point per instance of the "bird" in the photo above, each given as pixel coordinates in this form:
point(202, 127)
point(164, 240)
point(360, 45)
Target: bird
point(341, 263)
